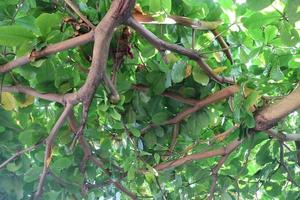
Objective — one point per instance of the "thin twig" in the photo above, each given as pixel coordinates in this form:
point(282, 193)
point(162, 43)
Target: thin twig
point(48, 152)
point(174, 141)
point(75, 8)
point(282, 163)
point(19, 153)
point(214, 173)
point(88, 153)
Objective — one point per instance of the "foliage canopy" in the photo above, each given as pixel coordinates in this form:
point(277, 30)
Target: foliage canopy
point(184, 121)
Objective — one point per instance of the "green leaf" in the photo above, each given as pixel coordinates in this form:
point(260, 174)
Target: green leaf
point(156, 157)
point(199, 76)
point(160, 5)
point(270, 33)
point(14, 35)
point(131, 173)
point(46, 22)
point(29, 137)
point(249, 120)
point(160, 117)
point(14, 166)
point(288, 35)
point(257, 20)
point(150, 139)
point(62, 163)
point(178, 71)
point(263, 156)
point(159, 131)
point(32, 174)
point(226, 3)
point(292, 10)
point(254, 5)
point(276, 74)
point(135, 132)
point(115, 115)
point(294, 62)
point(2, 129)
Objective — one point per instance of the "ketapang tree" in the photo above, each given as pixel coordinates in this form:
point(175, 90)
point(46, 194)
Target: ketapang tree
point(158, 99)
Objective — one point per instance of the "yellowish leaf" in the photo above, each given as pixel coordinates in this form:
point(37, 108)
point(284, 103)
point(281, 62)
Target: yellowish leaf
point(219, 70)
point(28, 101)
point(171, 58)
point(218, 56)
point(188, 70)
point(49, 157)
point(220, 137)
point(8, 101)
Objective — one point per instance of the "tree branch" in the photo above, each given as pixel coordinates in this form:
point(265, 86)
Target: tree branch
point(214, 173)
point(174, 141)
point(88, 153)
point(48, 152)
point(223, 44)
point(29, 91)
point(199, 156)
point(54, 48)
point(217, 96)
point(169, 94)
point(162, 46)
point(19, 153)
point(75, 8)
point(282, 136)
point(268, 117)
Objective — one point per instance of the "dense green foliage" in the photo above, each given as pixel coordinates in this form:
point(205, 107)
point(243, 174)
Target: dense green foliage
point(264, 41)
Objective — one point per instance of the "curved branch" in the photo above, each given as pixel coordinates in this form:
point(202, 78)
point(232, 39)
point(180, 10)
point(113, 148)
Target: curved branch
point(199, 156)
point(54, 48)
point(29, 91)
point(162, 46)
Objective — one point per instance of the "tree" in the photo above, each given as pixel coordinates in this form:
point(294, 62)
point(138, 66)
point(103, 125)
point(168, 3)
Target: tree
point(199, 102)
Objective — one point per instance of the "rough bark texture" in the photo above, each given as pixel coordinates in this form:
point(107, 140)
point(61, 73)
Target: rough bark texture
point(268, 117)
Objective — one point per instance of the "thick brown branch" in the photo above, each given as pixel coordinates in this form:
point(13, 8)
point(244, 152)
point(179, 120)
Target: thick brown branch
point(32, 92)
point(199, 156)
point(162, 46)
point(54, 48)
point(269, 116)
